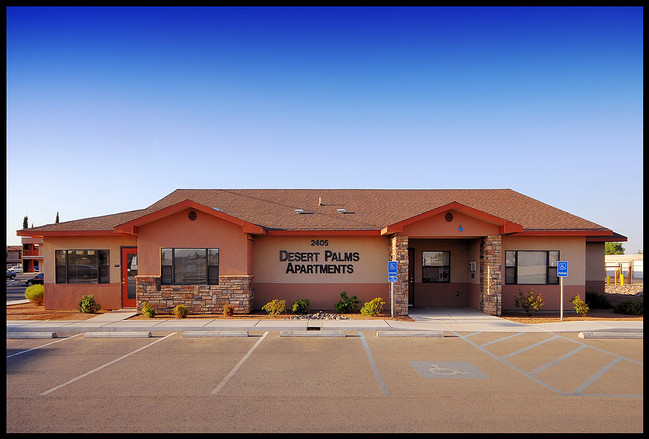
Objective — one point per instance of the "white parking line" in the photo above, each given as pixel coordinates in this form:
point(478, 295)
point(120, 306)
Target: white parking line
point(47, 344)
point(375, 368)
point(105, 365)
point(233, 371)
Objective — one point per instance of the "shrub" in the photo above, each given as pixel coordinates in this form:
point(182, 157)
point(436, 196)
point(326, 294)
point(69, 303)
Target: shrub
point(597, 301)
point(531, 303)
point(180, 311)
point(580, 305)
point(275, 307)
point(631, 307)
point(148, 310)
point(373, 307)
point(348, 304)
point(35, 294)
point(301, 306)
point(228, 310)
point(87, 304)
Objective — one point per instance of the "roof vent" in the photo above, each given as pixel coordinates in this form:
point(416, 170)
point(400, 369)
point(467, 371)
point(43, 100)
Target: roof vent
point(342, 211)
point(299, 211)
point(320, 201)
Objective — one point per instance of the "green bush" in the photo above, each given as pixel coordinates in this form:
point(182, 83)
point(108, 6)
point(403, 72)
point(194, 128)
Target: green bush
point(631, 307)
point(180, 311)
point(531, 303)
point(87, 304)
point(148, 310)
point(275, 307)
point(35, 294)
point(373, 307)
point(580, 305)
point(228, 310)
point(597, 301)
point(301, 306)
point(348, 304)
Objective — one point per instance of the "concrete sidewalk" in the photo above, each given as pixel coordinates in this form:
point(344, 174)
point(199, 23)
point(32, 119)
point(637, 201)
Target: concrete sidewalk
point(434, 319)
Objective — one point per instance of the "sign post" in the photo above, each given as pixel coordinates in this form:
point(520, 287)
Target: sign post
point(392, 278)
point(562, 271)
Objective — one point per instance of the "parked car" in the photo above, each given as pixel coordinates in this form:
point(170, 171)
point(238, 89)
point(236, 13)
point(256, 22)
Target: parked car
point(38, 279)
point(11, 274)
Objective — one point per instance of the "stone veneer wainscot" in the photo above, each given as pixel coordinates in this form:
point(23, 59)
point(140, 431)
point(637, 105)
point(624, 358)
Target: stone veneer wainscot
point(237, 290)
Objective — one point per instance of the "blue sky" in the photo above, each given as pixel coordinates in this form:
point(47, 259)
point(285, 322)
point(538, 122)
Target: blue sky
point(111, 109)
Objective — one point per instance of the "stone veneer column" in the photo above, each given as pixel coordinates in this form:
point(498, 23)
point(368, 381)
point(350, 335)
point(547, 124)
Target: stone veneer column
point(491, 275)
point(399, 253)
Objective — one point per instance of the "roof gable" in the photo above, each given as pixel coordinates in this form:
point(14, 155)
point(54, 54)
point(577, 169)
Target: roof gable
point(130, 227)
point(504, 225)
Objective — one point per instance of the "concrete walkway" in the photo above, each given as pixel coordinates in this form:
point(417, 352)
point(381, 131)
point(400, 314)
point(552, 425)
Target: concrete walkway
point(433, 319)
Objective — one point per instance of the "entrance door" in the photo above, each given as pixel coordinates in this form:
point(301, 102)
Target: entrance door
point(411, 277)
point(129, 271)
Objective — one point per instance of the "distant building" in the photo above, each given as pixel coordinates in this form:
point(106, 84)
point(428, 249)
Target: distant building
point(32, 254)
point(630, 265)
point(14, 255)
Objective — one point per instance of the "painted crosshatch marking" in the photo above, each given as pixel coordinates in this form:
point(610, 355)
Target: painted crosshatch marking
point(447, 369)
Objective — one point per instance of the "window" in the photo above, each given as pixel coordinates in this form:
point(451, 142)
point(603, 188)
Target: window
point(526, 267)
point(82, 266)
point(436, 267)
point(189, 266)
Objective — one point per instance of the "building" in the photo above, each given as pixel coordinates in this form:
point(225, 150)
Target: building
point(32, 254)
point(207, 247)
point(14, 255)
point(29, 255)
point(629, 266)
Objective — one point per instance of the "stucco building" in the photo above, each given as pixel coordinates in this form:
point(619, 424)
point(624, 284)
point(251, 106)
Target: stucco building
point(246, 247)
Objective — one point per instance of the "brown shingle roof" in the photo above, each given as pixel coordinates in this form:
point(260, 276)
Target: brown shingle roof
point(368, 209)
point(373, 209)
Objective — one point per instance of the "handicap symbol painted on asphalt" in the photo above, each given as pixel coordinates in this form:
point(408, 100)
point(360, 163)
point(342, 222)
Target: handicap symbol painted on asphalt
point(447, 369)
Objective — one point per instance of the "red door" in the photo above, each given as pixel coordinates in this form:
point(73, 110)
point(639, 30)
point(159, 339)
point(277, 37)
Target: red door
point(129, 271)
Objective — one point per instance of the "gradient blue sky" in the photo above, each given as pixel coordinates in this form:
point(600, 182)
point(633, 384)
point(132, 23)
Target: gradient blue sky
point(111, 109)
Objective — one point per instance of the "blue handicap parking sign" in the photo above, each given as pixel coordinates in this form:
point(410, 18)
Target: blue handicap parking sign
point(392, 271)
point(562, 269)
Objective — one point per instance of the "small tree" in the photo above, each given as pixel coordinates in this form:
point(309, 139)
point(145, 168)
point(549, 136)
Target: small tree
point(613, 248)
point(25, 222)
point(56, 221)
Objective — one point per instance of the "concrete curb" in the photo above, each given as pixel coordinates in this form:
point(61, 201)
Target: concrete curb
point(24, 334)
point(610, 334)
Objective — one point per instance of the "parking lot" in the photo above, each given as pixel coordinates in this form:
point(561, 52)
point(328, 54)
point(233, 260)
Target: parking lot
point(463, 382)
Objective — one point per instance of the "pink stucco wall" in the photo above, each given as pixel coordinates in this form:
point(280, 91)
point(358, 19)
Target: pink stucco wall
point(67, 296)
point(206, 231)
